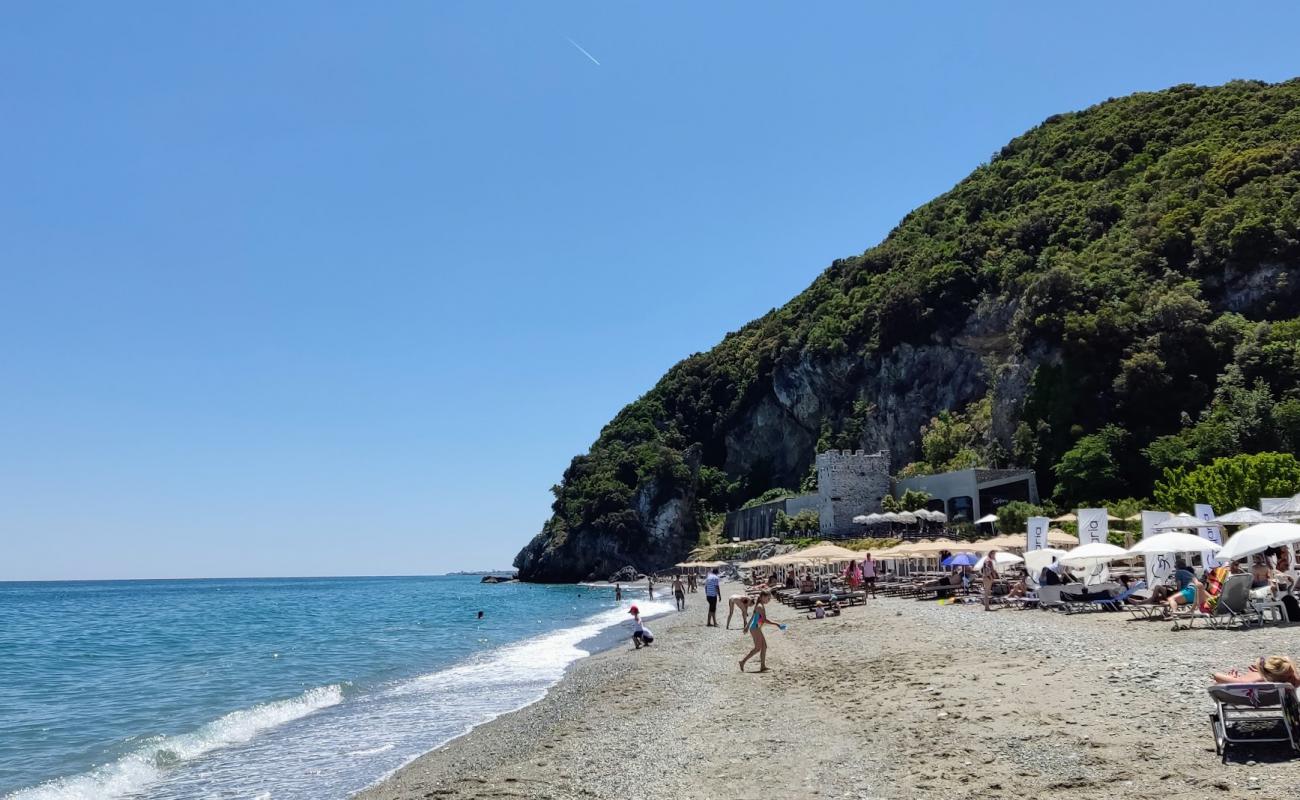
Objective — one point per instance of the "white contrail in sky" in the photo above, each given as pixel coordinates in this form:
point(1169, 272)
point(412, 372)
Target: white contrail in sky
point(584, 52)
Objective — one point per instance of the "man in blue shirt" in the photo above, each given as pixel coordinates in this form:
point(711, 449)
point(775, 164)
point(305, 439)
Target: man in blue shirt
point(712, 591)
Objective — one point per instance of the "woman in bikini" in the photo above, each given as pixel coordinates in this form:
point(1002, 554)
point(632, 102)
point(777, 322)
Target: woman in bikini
point(756, 622)
point(1273, 669)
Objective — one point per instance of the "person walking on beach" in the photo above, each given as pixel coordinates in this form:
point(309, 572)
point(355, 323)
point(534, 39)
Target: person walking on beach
point(650, 585)
point(679, 592)
point(869, 575)
point(618, 592)
point(691, 581)
point(756, 622)
point(712, 591)
point(641, 635)
point(989, 572)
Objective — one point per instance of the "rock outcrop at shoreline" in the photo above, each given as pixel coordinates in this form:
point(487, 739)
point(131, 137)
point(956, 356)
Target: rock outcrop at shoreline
point(1113, 294)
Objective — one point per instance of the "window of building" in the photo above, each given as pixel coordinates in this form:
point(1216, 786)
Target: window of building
point(961, 509)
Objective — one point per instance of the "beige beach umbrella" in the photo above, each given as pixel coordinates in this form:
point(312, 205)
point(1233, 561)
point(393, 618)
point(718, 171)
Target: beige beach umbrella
point(1070, 517)
point(829, 552)
point(1059, 538)
point(786, 559)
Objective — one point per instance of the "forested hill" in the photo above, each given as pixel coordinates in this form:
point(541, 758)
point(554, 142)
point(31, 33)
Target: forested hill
point(1115, 293)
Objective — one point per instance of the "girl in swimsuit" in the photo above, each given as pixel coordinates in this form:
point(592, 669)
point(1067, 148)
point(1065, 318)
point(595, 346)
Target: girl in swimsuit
point(756, 622)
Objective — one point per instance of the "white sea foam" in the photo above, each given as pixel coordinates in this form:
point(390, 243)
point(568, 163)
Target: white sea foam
point(138, 769)
point(383, 729)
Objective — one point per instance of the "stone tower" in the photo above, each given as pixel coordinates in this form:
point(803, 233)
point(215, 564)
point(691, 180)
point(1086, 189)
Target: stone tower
point(849, 483)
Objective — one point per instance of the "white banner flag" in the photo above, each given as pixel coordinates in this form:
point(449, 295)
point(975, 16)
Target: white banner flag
point(1212, 532)
point(1036, 536)
point(1092, 525)
point(1159, 565)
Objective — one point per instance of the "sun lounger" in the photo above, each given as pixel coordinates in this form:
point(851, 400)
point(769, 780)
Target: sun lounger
point(1112, 602)
point(1234, 604)
point(1049, 596)
point(1250, 713)
point(1076, 597)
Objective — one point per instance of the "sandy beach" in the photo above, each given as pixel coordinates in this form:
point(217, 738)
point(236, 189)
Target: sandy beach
point(896, 699)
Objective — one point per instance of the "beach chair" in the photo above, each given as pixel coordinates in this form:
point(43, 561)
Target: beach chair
point(1114, 603)
point(1234, 604)
point(1251, 713)
point(1049, 597)
point(1073, 596)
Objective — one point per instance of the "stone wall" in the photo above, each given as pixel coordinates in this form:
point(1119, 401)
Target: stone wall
point(849, 483)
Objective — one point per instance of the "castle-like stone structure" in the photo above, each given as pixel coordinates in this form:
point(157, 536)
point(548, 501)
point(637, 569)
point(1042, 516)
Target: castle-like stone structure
point(849, 483)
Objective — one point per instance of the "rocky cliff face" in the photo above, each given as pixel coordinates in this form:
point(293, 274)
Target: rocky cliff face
point(1129, 268)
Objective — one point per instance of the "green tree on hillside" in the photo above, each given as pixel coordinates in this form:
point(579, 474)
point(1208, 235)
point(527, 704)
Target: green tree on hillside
point(1230, 483)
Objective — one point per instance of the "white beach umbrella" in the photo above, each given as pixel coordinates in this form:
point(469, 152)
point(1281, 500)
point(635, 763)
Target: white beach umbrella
point(889, 516)
point(862, 519)
point(906, 517)
point(1035, 560)
point(987, 518)
point(1095, 552)
point(1258, 538)
point(938, 516)
point(1244, 516)
point(1173, 542)
point(1179, 522)
point(1000, 559)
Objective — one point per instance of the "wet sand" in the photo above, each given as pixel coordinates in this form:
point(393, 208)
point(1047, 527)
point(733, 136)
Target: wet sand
point(897, 699)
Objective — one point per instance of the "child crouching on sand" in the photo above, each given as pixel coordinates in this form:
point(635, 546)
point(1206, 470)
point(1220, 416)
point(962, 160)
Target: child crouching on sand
point(641, 635)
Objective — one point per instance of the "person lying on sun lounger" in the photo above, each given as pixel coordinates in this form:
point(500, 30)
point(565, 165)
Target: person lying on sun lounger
point(1273, 669)
point(1190, 592)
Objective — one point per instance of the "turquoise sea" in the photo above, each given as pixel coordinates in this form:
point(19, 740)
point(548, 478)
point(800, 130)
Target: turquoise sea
point(270, 689)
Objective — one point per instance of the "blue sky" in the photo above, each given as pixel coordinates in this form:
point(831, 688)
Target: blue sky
point(304, 288)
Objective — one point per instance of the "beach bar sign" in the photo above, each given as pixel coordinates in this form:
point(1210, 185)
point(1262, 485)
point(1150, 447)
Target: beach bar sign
point(1036, 536)
point(1159, 565)
point(1210, 532)
point(1092, 525)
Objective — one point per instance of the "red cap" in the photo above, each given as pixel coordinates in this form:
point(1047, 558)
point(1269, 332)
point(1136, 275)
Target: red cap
point(634, 610)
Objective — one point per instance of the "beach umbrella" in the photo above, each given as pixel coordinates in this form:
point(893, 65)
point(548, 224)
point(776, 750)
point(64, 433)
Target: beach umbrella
point(786, 559)
point(960, 560)
point(1095, 552)
point(874, 519)
point(987, 518)
point(1000, 559)
point(1135, 518)
point(1035, 560)
point(1244, 516)
point(1056, 536)
point(889, 516)
point(1000, 542)
point(825, 551)
point(1258, 538)
point(1172, 542)
point(906, 517)
point(1066, 518)
point(938, 516)
point(860, 519)
point(1180, 522)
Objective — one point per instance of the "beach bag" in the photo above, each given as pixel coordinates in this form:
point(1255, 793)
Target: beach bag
point(1292, 607)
